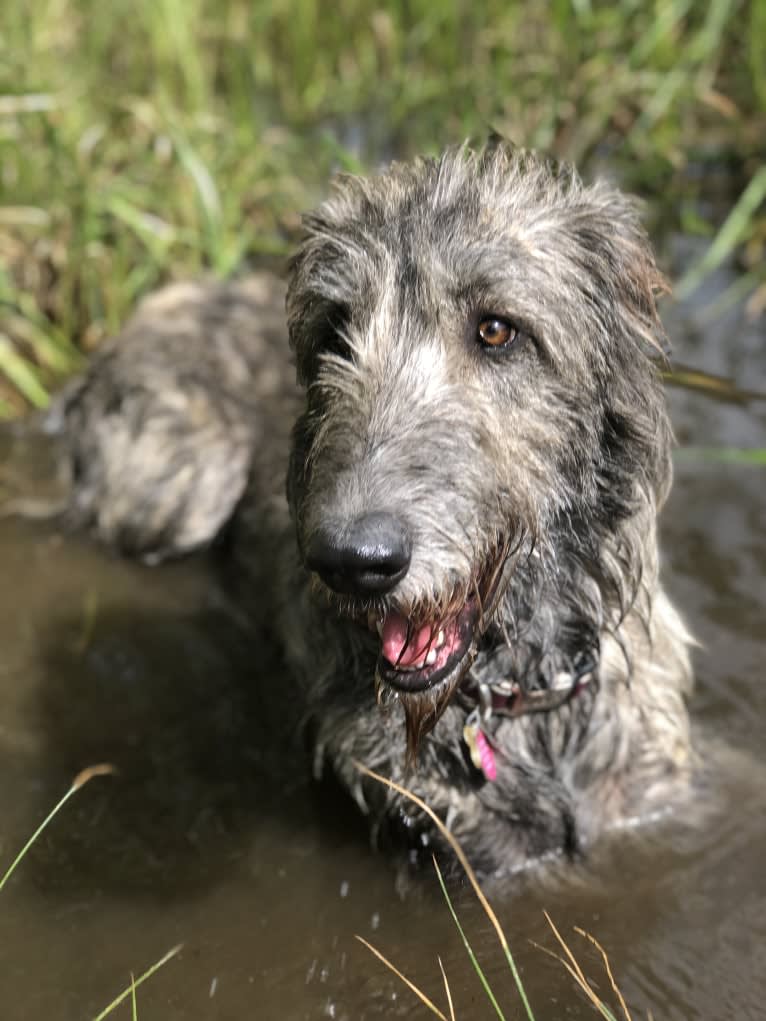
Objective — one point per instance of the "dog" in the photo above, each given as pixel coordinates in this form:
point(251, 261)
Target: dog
point(444, 506)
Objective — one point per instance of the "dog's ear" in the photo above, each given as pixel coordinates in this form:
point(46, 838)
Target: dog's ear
point(621, 282)
point(620, 261)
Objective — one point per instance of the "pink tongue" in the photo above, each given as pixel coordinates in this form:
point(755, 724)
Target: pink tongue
point(395, 647)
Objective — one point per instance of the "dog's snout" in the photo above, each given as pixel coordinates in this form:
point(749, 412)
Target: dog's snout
point(366, 557)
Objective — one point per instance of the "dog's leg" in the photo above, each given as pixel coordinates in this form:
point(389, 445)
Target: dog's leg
point(156, 439)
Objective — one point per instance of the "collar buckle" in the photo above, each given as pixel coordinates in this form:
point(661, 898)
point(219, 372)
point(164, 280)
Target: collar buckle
point(507, 698)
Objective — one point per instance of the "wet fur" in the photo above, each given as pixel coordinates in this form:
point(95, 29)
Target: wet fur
point(548, 462)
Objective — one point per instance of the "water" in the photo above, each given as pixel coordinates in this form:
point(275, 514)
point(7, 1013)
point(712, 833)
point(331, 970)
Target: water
point(211, 838)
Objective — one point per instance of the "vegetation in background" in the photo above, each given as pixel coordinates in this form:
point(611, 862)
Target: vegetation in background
point(147, 139)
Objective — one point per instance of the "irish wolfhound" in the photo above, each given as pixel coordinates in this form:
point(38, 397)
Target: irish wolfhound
point(462, 568)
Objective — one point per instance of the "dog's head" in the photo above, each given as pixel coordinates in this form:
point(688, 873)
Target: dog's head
point(477, 336)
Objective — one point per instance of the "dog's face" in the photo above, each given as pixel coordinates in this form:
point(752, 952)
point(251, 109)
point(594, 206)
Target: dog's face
point(475, 337)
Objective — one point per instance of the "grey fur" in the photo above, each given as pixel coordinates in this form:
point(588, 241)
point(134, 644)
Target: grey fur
point(529, 478)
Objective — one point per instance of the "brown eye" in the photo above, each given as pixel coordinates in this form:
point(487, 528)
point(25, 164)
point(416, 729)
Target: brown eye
point(494, 332)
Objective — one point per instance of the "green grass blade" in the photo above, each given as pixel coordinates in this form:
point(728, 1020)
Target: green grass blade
point(732, 232)
point(663, 25)
point(79, 781)
point(743, 287)
point(156, 233)
point(208, 198)
point(709, 37)
point(49, 347)
point(467, 868)
point(723, 455)
point(17, 860)
point(469, 948)
point(136, 982)
point(22, 374)
point(757, 45)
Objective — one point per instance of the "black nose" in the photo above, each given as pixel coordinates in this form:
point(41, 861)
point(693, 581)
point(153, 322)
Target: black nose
point(366, 558)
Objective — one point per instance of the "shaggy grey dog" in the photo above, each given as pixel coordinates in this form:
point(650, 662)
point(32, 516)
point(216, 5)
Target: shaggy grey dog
point(462, 569)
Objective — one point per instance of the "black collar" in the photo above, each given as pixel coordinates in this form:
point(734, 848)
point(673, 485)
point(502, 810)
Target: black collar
point(507, 698)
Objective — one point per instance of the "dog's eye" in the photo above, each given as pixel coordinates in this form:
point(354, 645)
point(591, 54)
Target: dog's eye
point(495, 332)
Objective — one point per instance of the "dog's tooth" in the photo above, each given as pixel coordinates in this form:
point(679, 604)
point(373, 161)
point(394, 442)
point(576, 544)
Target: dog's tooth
point(431, 658)
point(440, 638)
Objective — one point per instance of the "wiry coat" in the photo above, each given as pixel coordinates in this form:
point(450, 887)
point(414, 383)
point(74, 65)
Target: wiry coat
point(526, 477)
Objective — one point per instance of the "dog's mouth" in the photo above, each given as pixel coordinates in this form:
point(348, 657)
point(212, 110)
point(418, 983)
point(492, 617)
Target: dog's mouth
point(422, 661)
point(415, 658)
point(427, 647)
point(430, 656)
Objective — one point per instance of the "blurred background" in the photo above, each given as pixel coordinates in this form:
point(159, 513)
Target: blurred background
point(142, 140)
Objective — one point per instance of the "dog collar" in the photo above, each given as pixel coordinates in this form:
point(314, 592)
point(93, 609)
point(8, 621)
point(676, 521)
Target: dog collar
point(506, 698)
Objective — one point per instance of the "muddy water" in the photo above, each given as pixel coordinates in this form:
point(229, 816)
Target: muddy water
point(210, 837)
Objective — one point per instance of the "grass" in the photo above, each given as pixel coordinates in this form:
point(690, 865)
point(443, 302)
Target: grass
point(83, 777)
point(725, 455)
point(154, 139)
point(103, 769)
point(567, 958)
point(130, 991)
